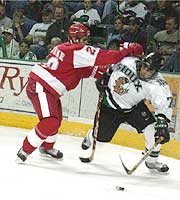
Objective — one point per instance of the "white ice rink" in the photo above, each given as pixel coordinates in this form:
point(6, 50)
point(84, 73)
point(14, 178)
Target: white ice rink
point(42, 178)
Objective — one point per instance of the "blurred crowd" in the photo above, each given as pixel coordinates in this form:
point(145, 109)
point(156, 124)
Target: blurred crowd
point(29, 29)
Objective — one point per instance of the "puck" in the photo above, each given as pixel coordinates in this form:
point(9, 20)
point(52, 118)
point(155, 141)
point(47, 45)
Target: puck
point(119, 188)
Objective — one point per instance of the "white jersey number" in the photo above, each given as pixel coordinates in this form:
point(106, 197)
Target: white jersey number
point(170, 101)
point(53, 63)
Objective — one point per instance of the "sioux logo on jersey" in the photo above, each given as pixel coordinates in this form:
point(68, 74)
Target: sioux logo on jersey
point(121, 84)
point(132, 76)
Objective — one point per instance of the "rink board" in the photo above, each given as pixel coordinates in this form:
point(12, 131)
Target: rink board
point(122, 137)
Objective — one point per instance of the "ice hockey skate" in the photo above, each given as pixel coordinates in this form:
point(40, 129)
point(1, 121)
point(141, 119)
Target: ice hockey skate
point(51, 152)
point(21, 156)
point(86, 143)
point(157, 167)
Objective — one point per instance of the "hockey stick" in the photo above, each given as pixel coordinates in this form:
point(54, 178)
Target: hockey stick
point(95, 130)
point(130, 171)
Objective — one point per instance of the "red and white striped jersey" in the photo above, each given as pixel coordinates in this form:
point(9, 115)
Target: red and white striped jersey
point(69, 63)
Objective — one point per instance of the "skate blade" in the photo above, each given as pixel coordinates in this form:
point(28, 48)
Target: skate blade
point(155, 171)
point(19, 161)
point(49, 157)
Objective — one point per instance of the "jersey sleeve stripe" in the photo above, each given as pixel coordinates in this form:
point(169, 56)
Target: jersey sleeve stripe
point(85, 57)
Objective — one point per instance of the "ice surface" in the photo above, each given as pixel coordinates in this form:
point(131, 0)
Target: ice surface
point(42, 178)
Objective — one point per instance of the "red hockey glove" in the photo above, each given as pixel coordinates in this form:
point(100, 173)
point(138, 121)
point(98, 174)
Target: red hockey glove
point(135, 49)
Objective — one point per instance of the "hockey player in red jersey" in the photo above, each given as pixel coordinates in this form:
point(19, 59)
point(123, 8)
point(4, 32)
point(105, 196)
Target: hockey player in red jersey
point(67, 64)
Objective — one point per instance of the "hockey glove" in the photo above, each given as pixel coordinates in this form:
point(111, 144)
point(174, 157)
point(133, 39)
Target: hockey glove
point(161, 128)
point(102, 83)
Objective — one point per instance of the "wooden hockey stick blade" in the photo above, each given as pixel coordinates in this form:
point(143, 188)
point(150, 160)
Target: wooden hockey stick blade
point(130, 171)
point(125, 168)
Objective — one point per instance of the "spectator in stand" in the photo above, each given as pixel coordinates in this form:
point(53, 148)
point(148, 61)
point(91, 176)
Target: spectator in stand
point(73, 6)
point(24, 52)
point(109, 6)
point(91, 14)
point(176, 7)
point(168, 42)
point(54, 42)
point(60, 27)
point(37, 34)
point(4, 20)
point(76, 5)
point(11, 45)
point(99, 6)
point(11, 6)
point(21, 24)
point(33, 10)
point(118, 30)
point(132, 6)
point(135, 33)
point(57, 3)
point(169, 38)
point(159, 12)
point(114, 44)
